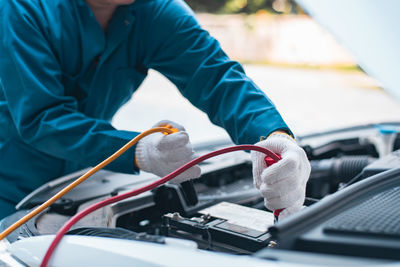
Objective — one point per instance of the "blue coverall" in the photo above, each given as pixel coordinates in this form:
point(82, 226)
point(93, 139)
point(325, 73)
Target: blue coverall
point(62, 79)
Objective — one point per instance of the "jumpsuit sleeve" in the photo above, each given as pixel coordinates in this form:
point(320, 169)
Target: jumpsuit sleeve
point(194, 61)
point(45, 118)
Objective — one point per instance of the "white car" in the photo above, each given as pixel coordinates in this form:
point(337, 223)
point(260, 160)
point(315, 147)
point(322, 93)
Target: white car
point(353, 194)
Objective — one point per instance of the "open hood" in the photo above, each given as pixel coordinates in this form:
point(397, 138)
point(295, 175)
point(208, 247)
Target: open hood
point(369, 29)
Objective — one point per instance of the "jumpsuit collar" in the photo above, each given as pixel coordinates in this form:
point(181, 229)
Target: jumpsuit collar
point(118, 29)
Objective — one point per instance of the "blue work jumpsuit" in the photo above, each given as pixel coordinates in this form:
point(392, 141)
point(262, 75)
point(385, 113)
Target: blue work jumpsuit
point(62, 79)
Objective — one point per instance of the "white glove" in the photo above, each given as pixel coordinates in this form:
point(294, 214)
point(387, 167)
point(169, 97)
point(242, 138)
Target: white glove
point(282, 184)
point(161, 154)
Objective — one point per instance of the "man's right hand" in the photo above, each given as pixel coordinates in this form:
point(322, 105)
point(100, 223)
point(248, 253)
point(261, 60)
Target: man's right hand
point(161, 154)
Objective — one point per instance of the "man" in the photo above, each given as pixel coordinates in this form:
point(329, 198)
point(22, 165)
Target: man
point(68, 65)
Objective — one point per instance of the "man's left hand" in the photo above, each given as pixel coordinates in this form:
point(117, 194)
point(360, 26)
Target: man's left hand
point(282, 184)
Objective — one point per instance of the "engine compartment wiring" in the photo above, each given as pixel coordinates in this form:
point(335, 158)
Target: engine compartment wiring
point(148, 187)
point(81, 179)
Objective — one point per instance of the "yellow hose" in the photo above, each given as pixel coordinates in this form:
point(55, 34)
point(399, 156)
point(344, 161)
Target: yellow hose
point(78, 181)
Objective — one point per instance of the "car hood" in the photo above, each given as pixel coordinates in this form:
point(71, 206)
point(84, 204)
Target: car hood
point(369, 30)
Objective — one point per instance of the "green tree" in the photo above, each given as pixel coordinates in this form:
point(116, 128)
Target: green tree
point(243, 6)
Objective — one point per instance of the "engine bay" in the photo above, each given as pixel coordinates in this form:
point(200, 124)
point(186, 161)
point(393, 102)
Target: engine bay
point(222, 211)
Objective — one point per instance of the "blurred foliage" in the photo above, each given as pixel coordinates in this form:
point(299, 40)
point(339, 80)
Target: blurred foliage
point(244, 6)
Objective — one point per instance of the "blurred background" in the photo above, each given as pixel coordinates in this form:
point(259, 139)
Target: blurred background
point(314, 81)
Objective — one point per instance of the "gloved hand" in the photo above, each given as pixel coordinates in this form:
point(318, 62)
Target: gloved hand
point(161, 154)
point(282, 184)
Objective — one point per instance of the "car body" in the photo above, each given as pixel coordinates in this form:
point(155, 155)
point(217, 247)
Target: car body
point(353, 193)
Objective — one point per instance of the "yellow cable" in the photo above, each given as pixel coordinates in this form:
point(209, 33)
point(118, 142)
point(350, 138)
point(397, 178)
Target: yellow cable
point(78, 181)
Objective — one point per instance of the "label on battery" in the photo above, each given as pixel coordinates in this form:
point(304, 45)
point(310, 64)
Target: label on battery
point(240, 215)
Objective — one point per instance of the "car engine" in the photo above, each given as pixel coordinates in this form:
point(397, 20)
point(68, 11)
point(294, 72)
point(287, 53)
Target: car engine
point(352, 205)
